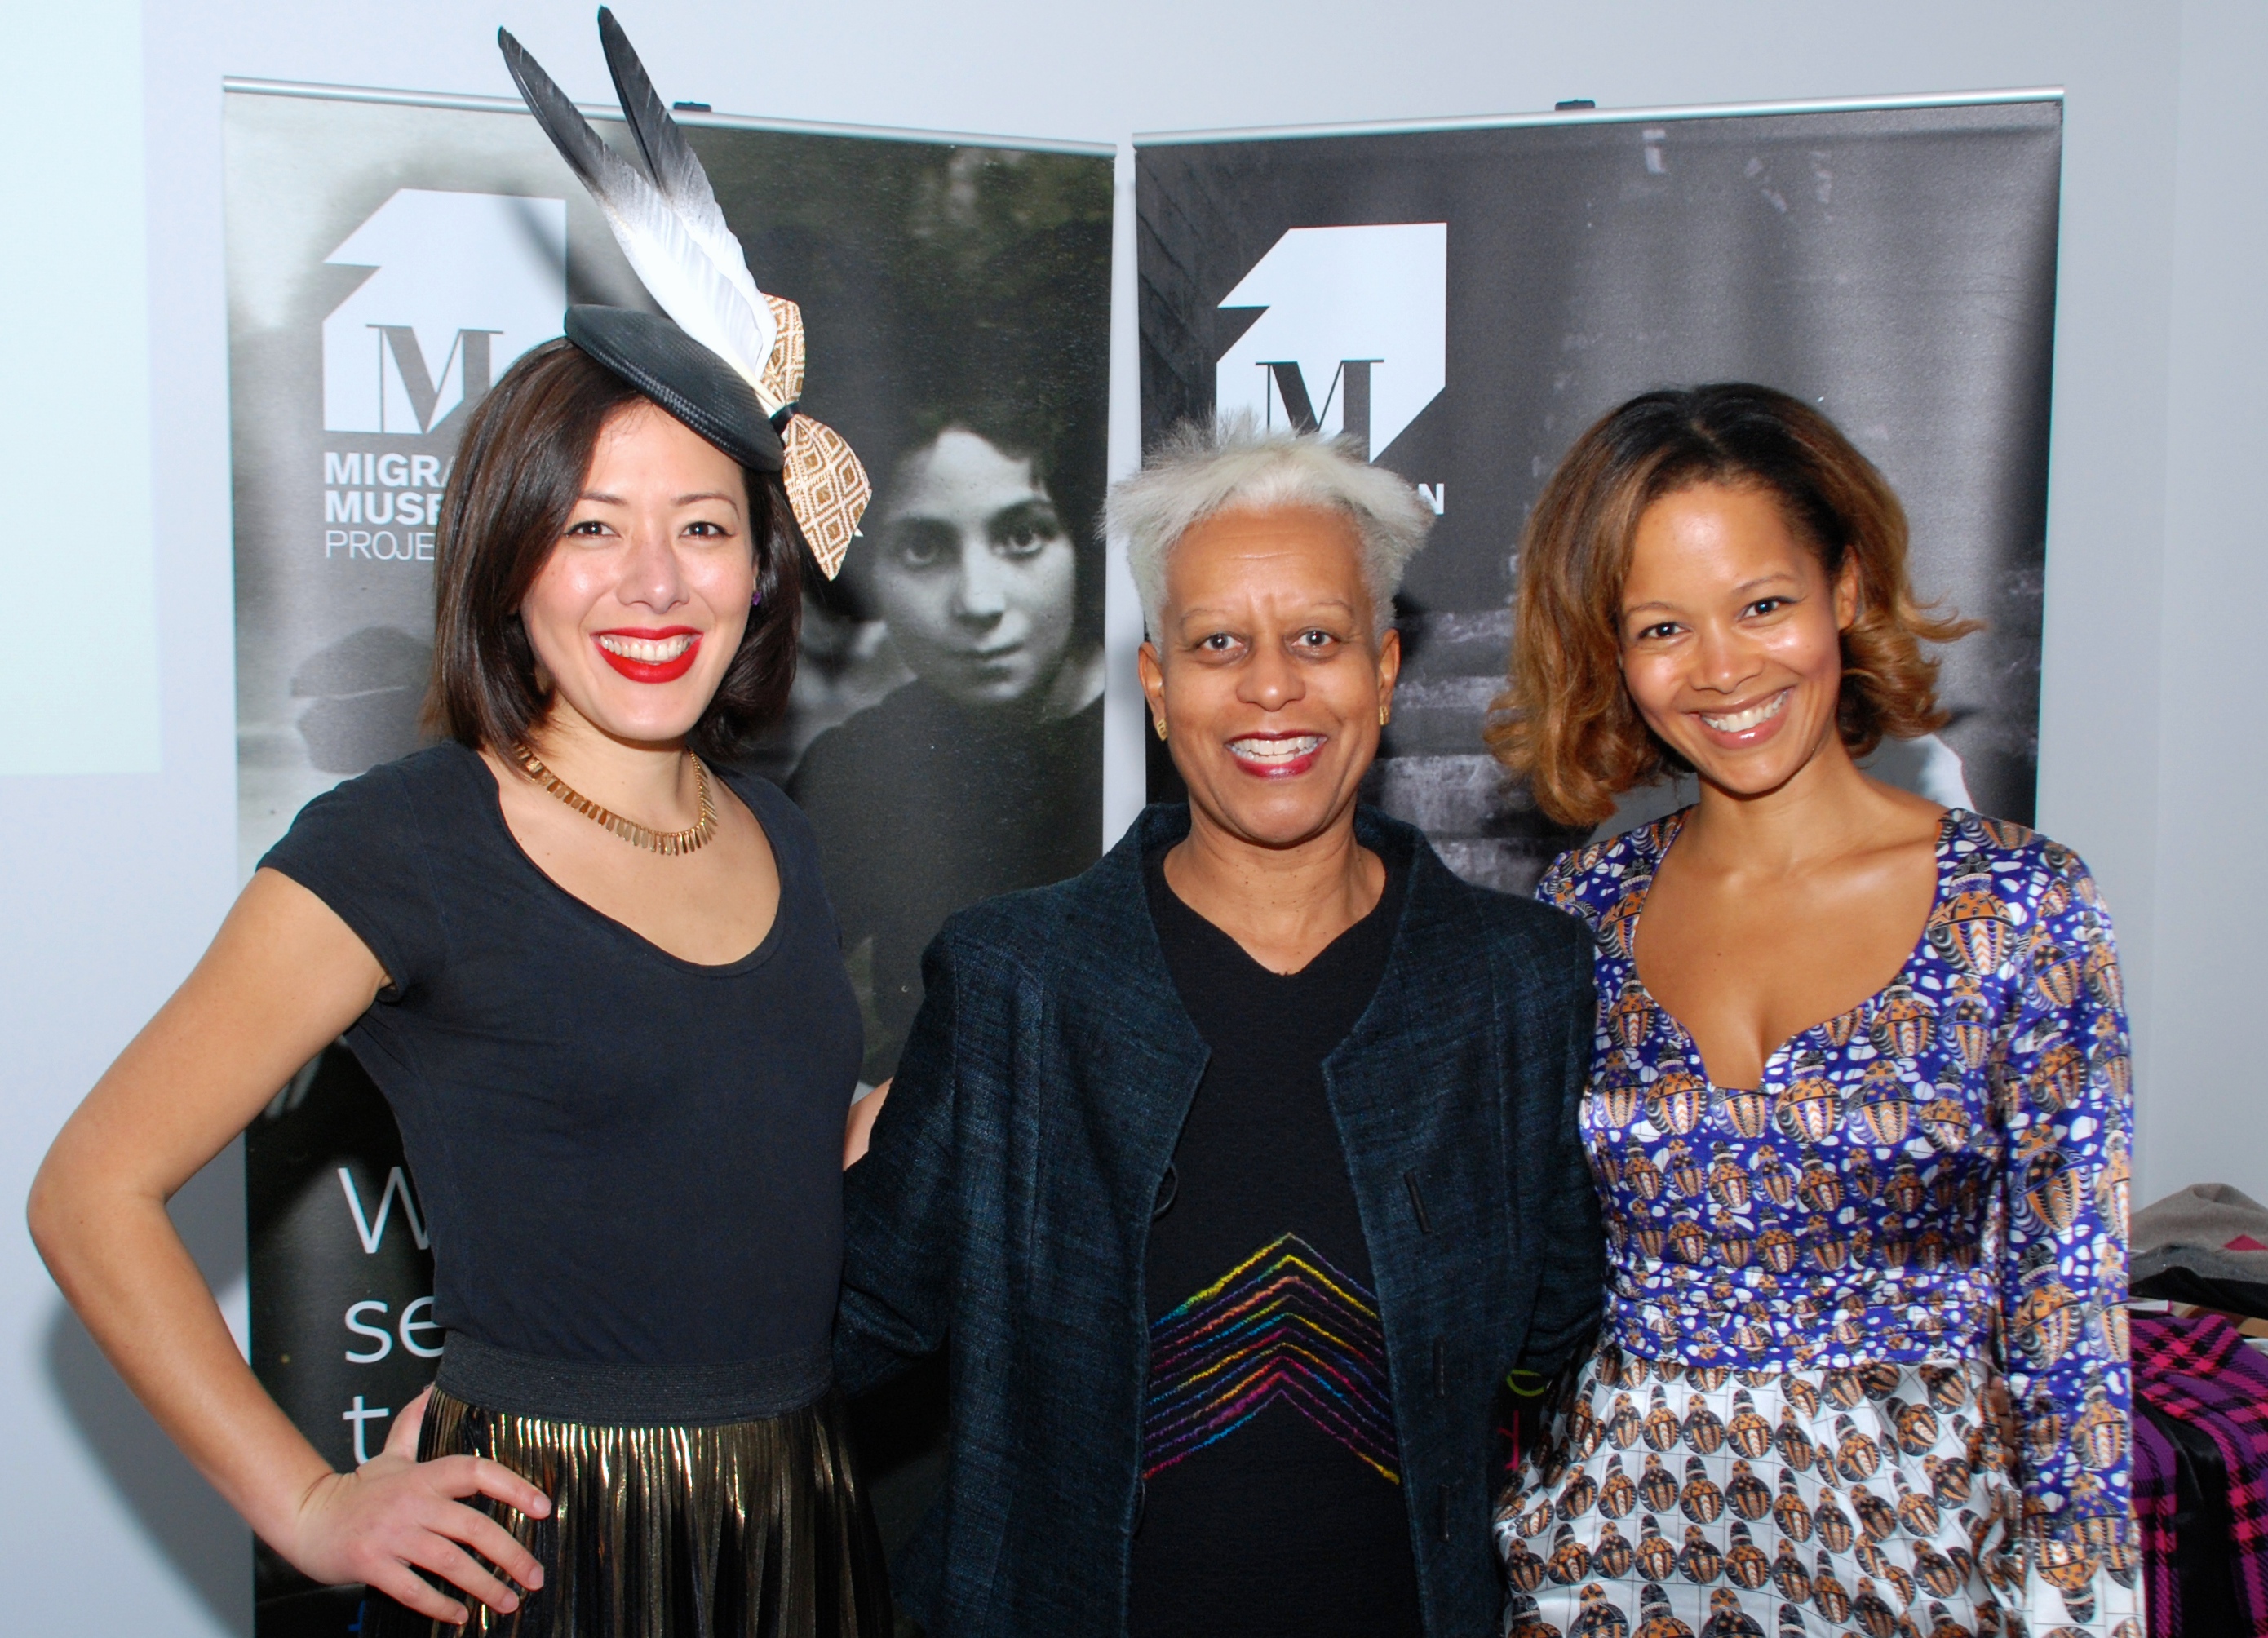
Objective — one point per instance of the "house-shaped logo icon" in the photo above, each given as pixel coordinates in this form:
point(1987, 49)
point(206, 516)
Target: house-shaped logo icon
point(1355, 338)
point(463, 284)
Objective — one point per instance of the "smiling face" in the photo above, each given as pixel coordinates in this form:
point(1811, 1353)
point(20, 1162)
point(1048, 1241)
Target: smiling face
point(639, 610)
point(1731, 636)
point(975, 575)
point(1266, 672)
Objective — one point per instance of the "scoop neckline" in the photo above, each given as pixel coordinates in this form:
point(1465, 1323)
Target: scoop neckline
point(1154, 880)
point(492, 807)
point(1667, 829)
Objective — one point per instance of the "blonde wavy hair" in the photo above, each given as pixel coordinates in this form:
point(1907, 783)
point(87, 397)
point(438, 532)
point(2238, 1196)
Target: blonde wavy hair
point(1565, 723)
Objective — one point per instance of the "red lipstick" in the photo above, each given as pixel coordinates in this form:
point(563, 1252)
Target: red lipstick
point(638, 669)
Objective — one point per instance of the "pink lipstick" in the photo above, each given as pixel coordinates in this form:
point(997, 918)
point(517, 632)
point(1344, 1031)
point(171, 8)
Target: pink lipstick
point(1276, 755)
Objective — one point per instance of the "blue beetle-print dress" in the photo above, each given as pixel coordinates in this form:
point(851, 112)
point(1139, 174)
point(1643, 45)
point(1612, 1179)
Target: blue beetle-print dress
point(1864, 1364)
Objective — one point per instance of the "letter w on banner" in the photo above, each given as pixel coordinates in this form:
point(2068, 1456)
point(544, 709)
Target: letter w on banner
point(1463, 301)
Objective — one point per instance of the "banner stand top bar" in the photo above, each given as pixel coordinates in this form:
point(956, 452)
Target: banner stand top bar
point(683, 116)
point(1600, 116)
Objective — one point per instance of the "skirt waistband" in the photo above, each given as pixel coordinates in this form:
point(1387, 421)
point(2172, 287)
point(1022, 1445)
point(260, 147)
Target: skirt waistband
point(633, 1396)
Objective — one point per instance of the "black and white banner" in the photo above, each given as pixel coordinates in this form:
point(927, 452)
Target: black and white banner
point(388, 258)
point(1467, 299)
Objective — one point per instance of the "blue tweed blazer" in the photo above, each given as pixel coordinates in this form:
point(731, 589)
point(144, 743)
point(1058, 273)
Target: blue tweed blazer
point(1003, 1212)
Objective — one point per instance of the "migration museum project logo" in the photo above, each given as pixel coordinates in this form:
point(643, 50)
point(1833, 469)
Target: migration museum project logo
point(462, 284)
point(1354, 340)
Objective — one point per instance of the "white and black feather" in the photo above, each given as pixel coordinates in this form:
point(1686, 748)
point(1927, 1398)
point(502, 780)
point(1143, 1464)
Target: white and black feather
point(670, 228)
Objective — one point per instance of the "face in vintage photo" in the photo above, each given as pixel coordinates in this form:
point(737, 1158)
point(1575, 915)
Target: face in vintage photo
point(975, 572)
point(971, 765)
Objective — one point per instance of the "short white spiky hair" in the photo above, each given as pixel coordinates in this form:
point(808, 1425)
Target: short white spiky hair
point(1197, 471)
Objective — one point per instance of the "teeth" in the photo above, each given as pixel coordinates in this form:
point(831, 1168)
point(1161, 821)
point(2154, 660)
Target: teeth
point(1740, 722)
point(647, 651)
point(1273, 749)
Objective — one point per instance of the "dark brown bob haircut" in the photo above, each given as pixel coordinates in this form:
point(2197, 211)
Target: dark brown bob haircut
point(520, 468)
point(1566, 723)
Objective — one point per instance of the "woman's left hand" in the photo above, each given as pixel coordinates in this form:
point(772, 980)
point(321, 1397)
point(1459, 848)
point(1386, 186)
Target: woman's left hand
point(860, 1128)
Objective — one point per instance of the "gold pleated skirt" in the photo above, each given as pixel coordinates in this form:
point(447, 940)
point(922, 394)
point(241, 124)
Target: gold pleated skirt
point(747, 1529)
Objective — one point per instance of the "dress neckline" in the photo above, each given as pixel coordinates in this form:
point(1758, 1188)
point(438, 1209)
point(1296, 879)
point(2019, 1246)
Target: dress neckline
point(1660, 834)
point(493, 811)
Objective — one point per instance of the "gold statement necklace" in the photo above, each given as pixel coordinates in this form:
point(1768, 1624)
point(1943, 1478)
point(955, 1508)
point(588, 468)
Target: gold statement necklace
point(669, 843)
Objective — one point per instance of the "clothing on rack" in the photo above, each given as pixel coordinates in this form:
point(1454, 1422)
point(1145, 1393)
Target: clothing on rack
point(2156, 1477)
point(2211, 1231)
point(2195, 1376)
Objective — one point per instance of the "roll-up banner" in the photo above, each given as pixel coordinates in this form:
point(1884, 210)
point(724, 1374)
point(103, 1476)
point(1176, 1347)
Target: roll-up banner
point(389, 257)
point(1464, 299)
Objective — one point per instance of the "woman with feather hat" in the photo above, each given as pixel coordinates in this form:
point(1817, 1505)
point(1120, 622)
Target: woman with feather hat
point(599, 985)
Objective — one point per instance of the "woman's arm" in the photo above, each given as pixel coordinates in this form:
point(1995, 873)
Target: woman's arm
point(282, 978)
point(2063, 1093)
point(859, 1127)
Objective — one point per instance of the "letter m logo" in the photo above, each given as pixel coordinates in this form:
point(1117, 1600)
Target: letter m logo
point(462, 284)
point(1359, 314)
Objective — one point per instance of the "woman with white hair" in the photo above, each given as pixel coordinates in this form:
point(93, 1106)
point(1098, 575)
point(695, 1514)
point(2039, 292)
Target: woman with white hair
point(1235, 1173)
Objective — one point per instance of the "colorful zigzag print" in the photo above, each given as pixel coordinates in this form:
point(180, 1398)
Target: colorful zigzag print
point(1283, 1326)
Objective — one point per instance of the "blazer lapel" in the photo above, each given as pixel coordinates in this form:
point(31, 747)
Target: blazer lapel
point(1139, 1058)
point(1410, 1085)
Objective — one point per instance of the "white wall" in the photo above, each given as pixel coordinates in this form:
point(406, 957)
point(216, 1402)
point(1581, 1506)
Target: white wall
point(2202, 1113)
point(114, 882)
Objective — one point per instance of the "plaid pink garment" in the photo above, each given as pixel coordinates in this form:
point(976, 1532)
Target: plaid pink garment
point(2199, 1371)
point(2155, 1466)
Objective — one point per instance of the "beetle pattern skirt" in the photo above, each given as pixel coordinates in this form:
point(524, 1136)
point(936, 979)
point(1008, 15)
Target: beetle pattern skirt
point(1680, 1501)
point(747, 1530)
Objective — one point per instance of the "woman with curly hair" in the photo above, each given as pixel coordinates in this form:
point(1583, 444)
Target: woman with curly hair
point(1860, 1100)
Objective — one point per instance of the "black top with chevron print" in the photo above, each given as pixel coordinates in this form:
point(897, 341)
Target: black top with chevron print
point(1273, 1499)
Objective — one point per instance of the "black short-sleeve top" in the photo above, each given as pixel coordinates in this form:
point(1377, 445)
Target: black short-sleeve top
point(624, 1158)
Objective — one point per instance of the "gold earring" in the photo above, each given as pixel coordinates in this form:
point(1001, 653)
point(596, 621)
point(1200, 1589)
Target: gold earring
point(1159, 723)
point(1385, 714)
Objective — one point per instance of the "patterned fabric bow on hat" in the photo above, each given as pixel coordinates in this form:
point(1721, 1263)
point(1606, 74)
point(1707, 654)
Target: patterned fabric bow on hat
point(825, 483)
point(728, 361)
